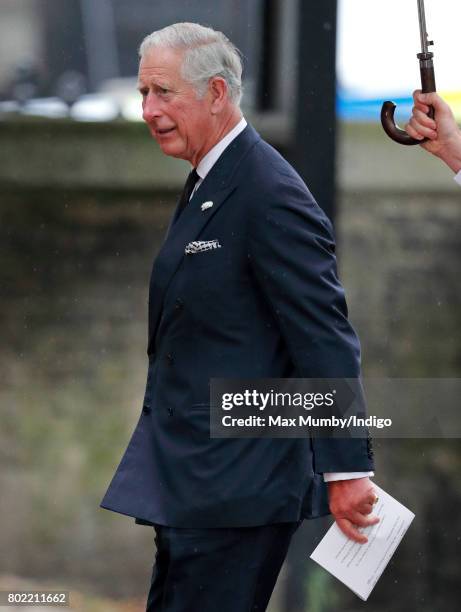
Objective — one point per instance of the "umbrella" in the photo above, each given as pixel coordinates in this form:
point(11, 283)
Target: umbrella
point(426, 66)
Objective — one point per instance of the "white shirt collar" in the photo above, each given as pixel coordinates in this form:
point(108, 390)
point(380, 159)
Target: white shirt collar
point(209, 160)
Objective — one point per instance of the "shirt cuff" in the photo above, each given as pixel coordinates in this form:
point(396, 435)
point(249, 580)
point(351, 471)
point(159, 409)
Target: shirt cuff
point(331, 476)
point(457, 178)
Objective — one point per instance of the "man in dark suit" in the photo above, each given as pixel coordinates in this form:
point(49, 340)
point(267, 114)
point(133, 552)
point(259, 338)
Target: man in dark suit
point(245, 286)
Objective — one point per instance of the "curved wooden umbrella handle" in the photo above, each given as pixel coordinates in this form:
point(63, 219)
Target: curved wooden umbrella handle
point(398, 135)
point(392, 129)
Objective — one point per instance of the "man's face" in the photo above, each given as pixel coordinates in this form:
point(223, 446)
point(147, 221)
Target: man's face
point(177, 120)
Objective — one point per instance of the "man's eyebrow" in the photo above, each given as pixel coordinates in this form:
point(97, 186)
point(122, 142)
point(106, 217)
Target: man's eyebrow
point(140, 86)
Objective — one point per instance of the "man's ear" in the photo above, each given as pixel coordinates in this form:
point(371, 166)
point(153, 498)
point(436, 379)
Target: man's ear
point(217, 87)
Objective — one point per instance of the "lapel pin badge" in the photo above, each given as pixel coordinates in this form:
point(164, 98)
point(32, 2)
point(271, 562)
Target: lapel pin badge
point(206, 205)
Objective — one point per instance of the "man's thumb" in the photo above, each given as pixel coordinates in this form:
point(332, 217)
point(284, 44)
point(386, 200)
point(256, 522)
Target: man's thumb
point(431, 99)
point(425, 98)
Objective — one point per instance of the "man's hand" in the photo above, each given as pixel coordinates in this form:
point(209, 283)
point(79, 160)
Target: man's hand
point(351, 503)
point(443, 132)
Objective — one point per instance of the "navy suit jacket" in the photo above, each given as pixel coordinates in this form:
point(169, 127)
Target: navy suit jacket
point(267, 304)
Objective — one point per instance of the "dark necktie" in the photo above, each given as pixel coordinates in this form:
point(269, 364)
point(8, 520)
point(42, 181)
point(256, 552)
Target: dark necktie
point(186, 192)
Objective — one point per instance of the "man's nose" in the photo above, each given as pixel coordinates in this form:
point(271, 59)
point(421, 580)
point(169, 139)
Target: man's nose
point(150, 108)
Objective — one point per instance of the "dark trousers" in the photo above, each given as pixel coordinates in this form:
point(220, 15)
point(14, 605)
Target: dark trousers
point(217, 569)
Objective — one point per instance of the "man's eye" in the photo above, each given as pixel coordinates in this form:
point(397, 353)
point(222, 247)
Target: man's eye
point(143, 92)
point(164, 90)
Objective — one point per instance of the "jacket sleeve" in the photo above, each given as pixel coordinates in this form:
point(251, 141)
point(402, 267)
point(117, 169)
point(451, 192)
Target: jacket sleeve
point(291, 250)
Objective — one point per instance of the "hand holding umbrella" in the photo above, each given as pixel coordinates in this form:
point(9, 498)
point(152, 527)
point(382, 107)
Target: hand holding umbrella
point(440, 136)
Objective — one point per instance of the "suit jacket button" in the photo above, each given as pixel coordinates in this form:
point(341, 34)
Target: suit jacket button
point(170, 410)
point(169, 359)
point(146, 409)
point(179, 304)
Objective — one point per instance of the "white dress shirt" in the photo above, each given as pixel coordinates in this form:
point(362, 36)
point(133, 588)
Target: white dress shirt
point(458, 178)
point(207, 162)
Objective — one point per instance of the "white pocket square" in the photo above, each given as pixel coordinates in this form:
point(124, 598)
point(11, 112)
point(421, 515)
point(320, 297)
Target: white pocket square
point(198, 246)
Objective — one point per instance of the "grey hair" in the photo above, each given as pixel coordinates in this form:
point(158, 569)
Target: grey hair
point(207, 53)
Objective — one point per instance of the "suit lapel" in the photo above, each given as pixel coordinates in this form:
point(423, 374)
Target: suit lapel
point(217, 187)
